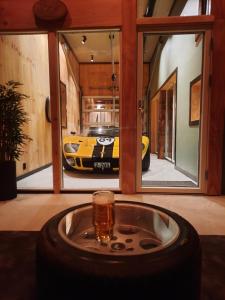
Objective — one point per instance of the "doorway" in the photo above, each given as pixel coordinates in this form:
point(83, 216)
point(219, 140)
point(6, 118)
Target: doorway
point(174, 141)
point(89, 72)
point(166, 131)
point(170, 128)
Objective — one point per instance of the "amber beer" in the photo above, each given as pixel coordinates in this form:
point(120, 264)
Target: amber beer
point(103, 215)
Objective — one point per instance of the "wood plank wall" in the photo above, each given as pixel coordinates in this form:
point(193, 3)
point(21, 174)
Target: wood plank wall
point(69, 75)
point(24, 58)
point(96, 79)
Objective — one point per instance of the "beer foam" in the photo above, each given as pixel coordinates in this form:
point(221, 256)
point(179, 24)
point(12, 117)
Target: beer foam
point(103, 197)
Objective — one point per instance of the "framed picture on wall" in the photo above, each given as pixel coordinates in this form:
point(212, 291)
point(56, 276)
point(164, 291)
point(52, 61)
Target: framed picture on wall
point(63, 101)
point(195, 101)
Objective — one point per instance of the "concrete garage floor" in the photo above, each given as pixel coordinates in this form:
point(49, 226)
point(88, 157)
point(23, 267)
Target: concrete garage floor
point(160, 171)
point(163, 173)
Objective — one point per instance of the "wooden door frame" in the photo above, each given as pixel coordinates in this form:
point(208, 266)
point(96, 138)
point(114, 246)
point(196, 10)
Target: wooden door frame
point(179, 24)
point(175, 72)
point(172, 141)
point(215, 22)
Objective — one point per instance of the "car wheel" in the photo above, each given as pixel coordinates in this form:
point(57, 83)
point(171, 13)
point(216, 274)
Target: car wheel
point(66, 272)
point(146, 161)
point(65, 164)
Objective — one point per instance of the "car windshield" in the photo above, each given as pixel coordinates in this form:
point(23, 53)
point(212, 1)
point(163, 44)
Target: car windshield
point(103, 131)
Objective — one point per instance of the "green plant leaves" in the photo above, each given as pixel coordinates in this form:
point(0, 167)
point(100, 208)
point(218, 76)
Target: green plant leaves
point(12, 119)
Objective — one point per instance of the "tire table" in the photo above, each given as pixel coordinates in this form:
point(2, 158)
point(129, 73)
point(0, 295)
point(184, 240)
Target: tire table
point(154, 254)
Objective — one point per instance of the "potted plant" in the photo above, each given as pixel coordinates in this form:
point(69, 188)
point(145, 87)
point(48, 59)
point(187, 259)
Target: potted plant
point(12, 138)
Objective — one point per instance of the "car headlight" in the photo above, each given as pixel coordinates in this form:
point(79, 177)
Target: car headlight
point(71, 147)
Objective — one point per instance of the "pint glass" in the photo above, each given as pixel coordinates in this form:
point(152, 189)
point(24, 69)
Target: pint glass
point(103, 215)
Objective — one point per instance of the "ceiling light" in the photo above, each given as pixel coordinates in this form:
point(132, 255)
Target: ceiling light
point(65, 46)
point(84, 39)
point(92, 58)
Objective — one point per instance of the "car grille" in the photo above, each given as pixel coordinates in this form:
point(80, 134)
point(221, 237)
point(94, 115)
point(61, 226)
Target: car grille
point(89, 162)
point(78, 162)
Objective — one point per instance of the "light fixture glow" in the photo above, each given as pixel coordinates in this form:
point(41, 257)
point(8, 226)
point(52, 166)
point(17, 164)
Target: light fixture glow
point(92, 58)
point(65, 46)
point(84, 39)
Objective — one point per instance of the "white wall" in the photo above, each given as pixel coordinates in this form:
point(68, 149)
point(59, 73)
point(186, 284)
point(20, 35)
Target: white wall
point(191, 8)
point(181, 52)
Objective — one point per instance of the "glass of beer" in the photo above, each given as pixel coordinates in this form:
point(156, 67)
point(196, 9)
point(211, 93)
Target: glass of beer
point(103, 215)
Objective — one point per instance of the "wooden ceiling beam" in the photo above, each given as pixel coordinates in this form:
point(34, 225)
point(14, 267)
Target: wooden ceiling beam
point(179, 24)
point(19, 16)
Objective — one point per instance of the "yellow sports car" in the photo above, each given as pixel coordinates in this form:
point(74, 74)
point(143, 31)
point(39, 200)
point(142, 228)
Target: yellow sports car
point(98, 150)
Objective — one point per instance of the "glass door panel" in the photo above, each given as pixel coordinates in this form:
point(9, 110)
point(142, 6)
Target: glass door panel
point(24, 59)
point(89, 71)
point(170, 115)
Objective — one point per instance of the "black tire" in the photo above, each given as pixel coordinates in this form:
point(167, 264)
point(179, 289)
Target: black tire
point(66, 272)
point(146, 161)
point(65, 164)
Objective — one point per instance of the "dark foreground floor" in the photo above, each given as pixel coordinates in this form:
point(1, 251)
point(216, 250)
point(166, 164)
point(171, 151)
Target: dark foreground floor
point(17, 266)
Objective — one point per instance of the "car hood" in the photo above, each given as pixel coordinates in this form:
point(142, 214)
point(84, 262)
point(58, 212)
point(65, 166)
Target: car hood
point(89, 141)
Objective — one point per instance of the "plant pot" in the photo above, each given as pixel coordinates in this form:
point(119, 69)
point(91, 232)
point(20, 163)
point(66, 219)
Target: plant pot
point(8, 189)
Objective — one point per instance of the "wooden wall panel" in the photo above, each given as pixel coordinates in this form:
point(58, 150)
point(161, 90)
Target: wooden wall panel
point(217, 107)
point(69, 73)
point(96, 79)
point(18, 15)
point(24, 58)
